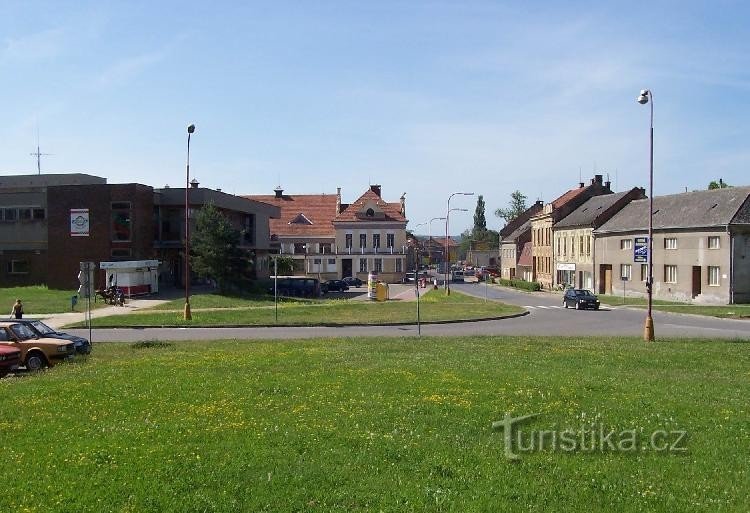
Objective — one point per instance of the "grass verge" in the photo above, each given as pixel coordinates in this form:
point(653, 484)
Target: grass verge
point(375, 425)
point(198, 301)
point(724, 311)
point(435, 306)
point(38, 299)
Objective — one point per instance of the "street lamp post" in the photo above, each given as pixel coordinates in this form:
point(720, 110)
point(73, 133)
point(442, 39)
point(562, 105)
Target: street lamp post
point(187, 315)
point(647, 96)
point(447, 251)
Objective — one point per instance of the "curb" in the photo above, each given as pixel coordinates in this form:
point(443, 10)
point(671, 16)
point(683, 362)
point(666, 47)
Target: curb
point(321, 325)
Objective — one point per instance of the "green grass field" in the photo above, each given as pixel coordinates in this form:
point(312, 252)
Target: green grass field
point(41, 300)
point(199, 301)
point(724, 311)
point(435, 306)
point(619, 300)
point(375, 425)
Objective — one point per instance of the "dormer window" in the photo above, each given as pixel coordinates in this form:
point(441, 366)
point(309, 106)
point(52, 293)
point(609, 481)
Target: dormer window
point(370, 212)
point(300, 219)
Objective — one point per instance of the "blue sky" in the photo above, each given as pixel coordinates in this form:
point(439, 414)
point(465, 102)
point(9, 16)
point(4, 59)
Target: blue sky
point(423, 97)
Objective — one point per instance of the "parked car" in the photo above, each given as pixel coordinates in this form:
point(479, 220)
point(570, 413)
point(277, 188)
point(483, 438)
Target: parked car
point(353, 281)
point(580, 299)
point(296, 286)
point(410, 277)
point(336, 285)
point(83, 346)
point(10, 359)
point(36, 352)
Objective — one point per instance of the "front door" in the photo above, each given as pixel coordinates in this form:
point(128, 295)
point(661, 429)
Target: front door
point(346, 267)
point(605, 279)
point(696, 281)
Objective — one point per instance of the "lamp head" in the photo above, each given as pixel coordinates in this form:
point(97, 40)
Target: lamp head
point(643, 98)
point(191, 129)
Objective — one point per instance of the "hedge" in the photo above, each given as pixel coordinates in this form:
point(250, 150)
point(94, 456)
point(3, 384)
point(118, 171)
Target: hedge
point(519, 284)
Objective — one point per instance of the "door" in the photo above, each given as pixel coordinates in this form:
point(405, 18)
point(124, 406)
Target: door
point(696, 281)
point(605, 279)
point(346, 267)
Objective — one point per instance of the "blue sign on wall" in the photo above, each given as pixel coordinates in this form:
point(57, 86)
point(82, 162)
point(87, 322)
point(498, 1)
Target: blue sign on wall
point(640, 250)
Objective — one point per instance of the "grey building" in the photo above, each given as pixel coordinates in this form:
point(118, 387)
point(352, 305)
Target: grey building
point(701, 247)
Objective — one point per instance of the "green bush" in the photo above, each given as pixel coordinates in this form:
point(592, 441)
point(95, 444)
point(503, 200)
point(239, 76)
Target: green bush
point(519, 284)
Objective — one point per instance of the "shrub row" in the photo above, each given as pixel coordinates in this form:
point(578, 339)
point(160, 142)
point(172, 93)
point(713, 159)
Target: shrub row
point(519, 284)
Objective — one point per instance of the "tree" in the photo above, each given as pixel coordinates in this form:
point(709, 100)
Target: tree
point(215, 249)
point(721, 184)
point(284, 265)
point(516, 207)
point(480, 222)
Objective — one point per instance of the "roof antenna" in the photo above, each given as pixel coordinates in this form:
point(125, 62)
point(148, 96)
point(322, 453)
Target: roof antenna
point(39, 154)
point(580, 175)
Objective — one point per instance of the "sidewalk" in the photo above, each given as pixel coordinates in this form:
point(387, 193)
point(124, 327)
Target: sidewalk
point(60, 319)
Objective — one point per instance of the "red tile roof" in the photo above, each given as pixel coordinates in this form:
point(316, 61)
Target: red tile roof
point(320, 209)
point(391, 211)
point(562, 200)
point(440, 241)
point(526, 259)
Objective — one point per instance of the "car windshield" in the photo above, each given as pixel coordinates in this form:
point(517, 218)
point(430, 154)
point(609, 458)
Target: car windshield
point(583, 293)
point(22, 332)
point(42, 328)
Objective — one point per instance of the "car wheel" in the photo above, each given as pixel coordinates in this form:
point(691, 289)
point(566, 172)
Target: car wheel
point(565, 304)
point(35, 361)
point(578, 305)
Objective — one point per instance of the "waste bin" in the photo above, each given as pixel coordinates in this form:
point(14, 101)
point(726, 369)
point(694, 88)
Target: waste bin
point(372, 284)
point(381, 293)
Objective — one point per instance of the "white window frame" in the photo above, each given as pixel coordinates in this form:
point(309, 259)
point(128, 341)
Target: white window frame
point(378, 265)
point(670, 242)
point(714, 242)
point(626, 271)
point(670, 270)
point(714, 281)
point(363, 265)
point(626, 243)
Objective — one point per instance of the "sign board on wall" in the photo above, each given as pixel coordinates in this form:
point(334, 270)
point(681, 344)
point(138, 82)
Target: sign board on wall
point(566, 267)
point(79, 222)
point(640, 250)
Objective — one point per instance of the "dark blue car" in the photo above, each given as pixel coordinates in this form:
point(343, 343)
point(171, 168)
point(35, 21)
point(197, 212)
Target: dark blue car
point(82, 345)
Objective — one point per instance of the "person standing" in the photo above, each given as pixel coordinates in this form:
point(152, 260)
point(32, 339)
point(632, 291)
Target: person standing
point(17, 311)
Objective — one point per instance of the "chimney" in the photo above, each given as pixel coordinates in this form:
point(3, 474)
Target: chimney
point(721, 183)
point(581, 185)
point(375, 189)
point(607, 184)
point(338, 200)
point(278, 191)
point(194, 183)
point(598, 179)
point(403, 204)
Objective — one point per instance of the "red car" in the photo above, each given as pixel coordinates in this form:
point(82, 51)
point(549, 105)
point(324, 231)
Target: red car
point(10, 359)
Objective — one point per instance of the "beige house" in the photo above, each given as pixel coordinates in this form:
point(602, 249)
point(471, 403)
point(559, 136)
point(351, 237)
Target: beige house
point(701, 249)
point(543, 257)
point(332, 240)
point(573, 238)
point(513, 236)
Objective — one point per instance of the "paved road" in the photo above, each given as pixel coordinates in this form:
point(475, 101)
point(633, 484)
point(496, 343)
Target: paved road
point(546, 317)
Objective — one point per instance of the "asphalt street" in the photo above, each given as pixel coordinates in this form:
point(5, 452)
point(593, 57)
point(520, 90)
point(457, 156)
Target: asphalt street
point(546, 317)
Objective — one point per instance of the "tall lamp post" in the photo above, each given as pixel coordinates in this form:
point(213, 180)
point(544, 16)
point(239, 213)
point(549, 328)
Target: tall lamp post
point(447, 250)
point(429, 234)
point(647, 96)
point(188, 316)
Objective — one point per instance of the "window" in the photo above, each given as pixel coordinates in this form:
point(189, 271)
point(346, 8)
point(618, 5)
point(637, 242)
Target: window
point(588, 246)
point(670, 274)
point(572, 246)
point(248, 229)
point(376, 240)
point(331, 261)
point(565, 245)
point(24, 214)
point(714, 242)
point(378, 265)
point(38, 214)
point(121, 221)
point(370, 212)
point(626, 243)
point(580, 245)
point(316, 261)
point(644, 272)
point(325, 248)
point(348, 240)
point(363, 265)
point(362, 240)
point(558, 247)
point(18, 267)
point(713, 275)
point(390, 240)
point(626, 272)
point(398, 265)
point(10, 214)
point(299, 248)
point(670, 243)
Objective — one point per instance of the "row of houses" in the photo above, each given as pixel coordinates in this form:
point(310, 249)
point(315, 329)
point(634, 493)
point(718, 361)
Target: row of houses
point(593, 238)
point(50, 223)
